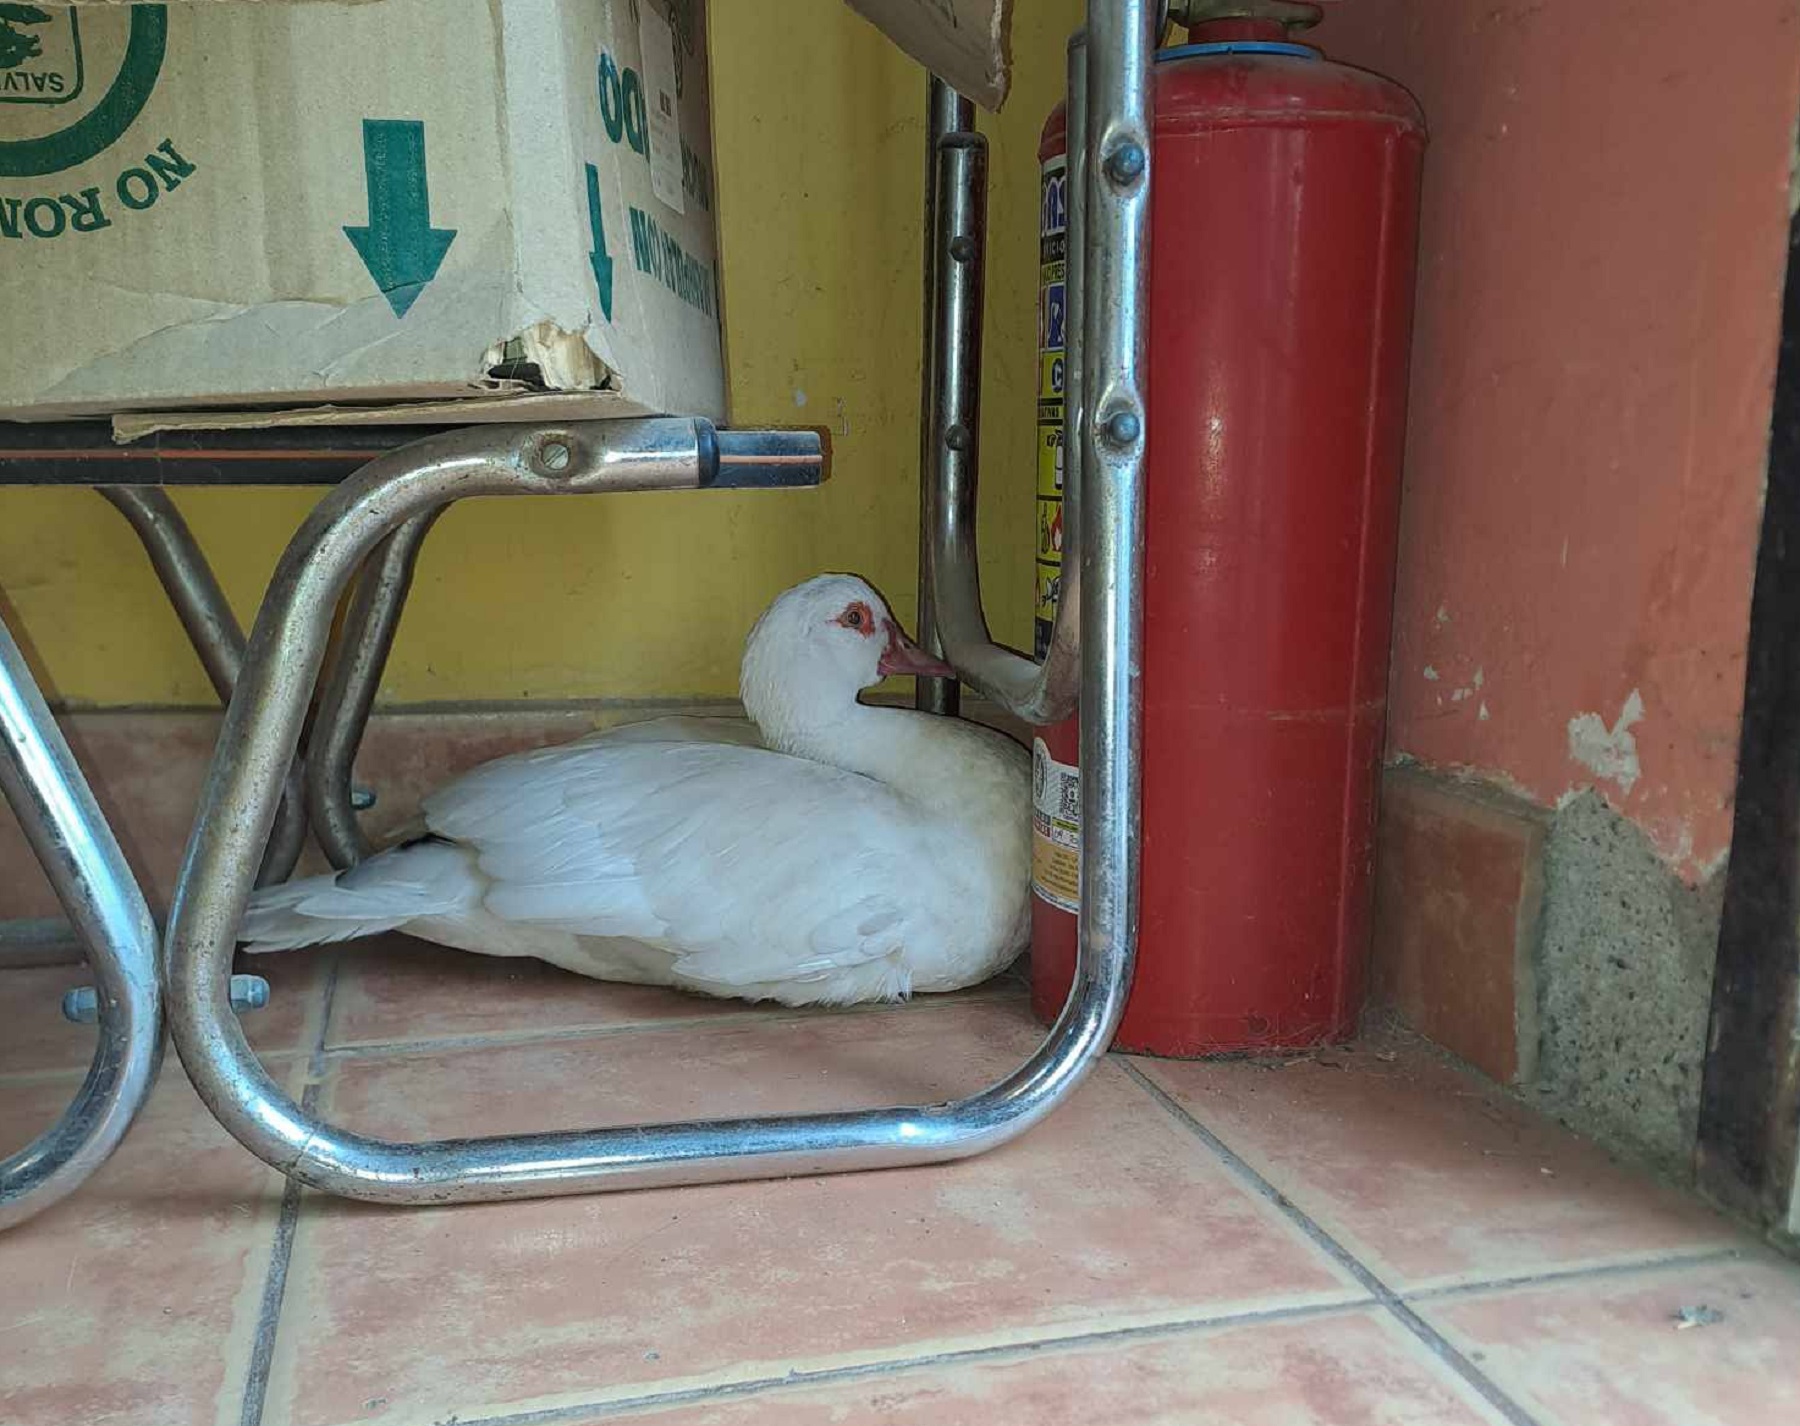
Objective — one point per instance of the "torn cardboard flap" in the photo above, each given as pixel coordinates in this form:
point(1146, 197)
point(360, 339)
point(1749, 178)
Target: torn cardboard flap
point(964, 42)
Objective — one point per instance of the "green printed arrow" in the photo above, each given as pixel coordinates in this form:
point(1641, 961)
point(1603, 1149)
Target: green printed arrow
point(599, 257)
point(399, 246)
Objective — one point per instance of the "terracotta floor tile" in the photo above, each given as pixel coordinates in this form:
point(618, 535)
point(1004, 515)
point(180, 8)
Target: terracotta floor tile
point(1428, 1175)
point(1109, 1214)
point(38, 1038)
point(394, 989)
point(1352, 1369)
point(1608, 1351)
point(135, 1299)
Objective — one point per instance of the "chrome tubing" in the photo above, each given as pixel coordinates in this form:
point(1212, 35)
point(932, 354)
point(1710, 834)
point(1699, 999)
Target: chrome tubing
point(69, 836)
point(364, 643)
point(263, 725)
point(186, 578)
point(946, 113)
point(1038, 694)
point(743, 459)
point(212, 629)
point(1114, 426)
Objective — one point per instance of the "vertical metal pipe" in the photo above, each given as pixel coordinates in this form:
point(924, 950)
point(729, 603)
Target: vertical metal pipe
point(956, 357)
point(947, 112)
point(1046, 693)
point(1113, 431)
point(1116, 240)
point(68, 834)
point(213, 630)
point(366, 640)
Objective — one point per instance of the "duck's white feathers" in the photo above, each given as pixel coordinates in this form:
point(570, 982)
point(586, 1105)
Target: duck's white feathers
point(749, 865)
point(722, 867)
point(427, 878)
point(862, 854)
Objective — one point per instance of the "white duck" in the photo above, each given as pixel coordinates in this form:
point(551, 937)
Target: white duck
point(856, 853)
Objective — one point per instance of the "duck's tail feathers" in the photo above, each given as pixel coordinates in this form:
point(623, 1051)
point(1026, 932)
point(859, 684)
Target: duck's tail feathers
point(429, 877)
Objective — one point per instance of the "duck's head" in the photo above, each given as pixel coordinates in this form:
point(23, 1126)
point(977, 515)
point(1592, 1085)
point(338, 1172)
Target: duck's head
point(819, 645)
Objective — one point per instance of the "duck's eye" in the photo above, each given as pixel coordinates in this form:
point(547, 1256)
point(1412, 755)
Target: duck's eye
point(854, 618)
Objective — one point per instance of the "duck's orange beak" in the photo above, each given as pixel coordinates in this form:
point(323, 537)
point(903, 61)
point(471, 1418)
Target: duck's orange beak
point(903, 657)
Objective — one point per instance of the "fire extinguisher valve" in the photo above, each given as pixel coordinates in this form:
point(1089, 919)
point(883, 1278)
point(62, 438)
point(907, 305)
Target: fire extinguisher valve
point(1259, 19)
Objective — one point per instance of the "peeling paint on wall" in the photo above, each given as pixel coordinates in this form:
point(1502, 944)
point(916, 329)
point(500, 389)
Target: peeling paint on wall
point(1609, 753)
point(1584, 469)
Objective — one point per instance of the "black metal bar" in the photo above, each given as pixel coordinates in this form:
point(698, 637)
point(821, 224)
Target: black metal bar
point(82, 453)
point(1749, 1137)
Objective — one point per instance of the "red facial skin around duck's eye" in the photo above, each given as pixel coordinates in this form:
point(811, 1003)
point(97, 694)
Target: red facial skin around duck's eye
point(860, 617)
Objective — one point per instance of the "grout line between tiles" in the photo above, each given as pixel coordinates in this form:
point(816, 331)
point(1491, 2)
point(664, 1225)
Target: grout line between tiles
point(1452, 1357)
point(26, 1079)
point(561, 1034)
point(281, 1252)
point(862, 1371)
point(1699, 1257)
point(506, 1039)
point(262, 1350)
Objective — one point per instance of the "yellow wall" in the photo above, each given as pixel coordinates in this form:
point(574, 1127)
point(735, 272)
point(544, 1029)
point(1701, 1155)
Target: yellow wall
point(820, 154)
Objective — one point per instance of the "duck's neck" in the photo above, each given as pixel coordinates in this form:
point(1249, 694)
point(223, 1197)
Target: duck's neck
point(890, 745)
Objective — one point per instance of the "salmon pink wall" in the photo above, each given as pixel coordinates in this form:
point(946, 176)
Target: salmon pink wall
point(1602, 259)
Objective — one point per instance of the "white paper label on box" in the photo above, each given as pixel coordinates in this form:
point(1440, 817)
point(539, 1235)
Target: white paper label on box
point(656, 48)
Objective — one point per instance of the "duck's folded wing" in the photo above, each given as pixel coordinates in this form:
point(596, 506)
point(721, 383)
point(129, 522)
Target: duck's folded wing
point(687, 728)
point(749, 865)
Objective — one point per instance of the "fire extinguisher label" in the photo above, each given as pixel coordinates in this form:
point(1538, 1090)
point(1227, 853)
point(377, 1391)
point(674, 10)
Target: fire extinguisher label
point(1055, 829)
point(1053, 312)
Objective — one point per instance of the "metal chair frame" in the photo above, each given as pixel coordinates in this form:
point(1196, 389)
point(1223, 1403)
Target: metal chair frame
point(260, 796)
point(38, 776)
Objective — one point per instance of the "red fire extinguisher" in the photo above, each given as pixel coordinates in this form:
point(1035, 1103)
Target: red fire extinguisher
point(1284, 223)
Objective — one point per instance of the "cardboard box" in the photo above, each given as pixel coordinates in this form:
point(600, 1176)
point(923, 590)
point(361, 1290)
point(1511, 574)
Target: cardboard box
point(292, 205)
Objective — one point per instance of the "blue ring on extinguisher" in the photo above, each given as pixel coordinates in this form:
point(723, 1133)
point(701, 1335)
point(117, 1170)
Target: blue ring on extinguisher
point(1238, 47)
